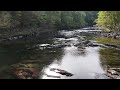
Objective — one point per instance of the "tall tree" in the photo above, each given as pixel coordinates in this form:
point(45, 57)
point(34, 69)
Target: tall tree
point(109, 20)
point(90, 17)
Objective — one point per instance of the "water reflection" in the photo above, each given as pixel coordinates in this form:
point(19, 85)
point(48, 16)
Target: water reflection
point(83, 67)
point(110, 57)
point(67, 53)
point(16, 53)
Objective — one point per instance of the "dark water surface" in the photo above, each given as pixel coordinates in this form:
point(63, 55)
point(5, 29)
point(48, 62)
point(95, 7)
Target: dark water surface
point(66, 53)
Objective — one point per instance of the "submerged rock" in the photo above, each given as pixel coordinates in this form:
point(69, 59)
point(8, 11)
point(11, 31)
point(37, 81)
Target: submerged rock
point(25, 71)
point(62, 72)
point(116, 69)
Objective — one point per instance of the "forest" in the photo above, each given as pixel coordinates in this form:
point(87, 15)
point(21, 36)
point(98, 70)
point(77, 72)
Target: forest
point(109, 20)
point(27, 22)
point(57, 19)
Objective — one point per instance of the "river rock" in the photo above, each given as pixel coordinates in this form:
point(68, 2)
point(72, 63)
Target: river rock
point(113, 72)
point(27, 73)
point(62, 72)
point(116, 69)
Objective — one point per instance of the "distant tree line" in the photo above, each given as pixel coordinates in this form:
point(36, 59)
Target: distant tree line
point(48, 19)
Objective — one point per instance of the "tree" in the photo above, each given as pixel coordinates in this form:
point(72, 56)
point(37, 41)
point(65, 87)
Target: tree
point(15, 18)
point(109, 20)
point(79, 19)
point(90, 17)
point(5, 19)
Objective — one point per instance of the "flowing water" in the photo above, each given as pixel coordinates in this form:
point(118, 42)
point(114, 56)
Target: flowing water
point(69, 53)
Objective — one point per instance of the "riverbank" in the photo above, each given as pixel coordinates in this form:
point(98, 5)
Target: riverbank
point(72, 51)
point(108, 40)
point(26, 34)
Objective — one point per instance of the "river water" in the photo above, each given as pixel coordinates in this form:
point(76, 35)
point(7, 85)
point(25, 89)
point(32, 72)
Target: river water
point(83, 62)
point(69, 53)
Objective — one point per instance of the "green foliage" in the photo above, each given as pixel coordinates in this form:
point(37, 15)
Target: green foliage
point(90, 17)
point(106, 40)
point(110, 57)
point(5, 19)
point(109, 20)
point(55, 19)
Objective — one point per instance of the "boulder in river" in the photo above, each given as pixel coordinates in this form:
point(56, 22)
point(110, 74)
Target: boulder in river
point(62, 72)
point(113, 73)
point(116, 69)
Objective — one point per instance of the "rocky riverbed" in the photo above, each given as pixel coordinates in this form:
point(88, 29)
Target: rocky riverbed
point(71, 54)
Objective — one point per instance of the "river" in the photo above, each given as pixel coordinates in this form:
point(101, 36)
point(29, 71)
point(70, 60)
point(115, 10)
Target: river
point(69, 52)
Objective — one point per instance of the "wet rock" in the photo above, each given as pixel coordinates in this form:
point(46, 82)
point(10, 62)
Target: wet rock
point(25, 71)
point(78, 44)
point(110, 45)
point(93, 44)
point(116, 69)
point(15, 38)
point(20, 36)
point(86, 42)
point(52, 51)
point(58, 46)
point(112, 76)
point(113, 72)
point(62, 72)
point(44, 45)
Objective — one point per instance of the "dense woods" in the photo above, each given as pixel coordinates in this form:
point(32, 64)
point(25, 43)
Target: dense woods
point(55, 19)
point(108, 20)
